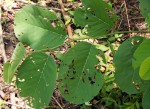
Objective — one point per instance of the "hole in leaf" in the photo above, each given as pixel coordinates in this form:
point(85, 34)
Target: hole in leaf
point(83, 80)
point(21, 80)
point(66, 91)
point(72, 78)
point(91, 80)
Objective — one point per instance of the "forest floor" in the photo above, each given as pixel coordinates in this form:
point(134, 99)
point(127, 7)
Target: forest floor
point(130, 19)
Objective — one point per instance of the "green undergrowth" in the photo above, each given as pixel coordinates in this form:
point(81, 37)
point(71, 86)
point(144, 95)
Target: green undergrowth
point(95, 69)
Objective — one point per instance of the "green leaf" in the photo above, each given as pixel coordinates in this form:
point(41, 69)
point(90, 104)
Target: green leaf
point(145, 69)
point(80, 80)
point(146, 99)
point(126, 77)
point(6, 74)
point(141, 53)
point(96, 17)
point(33, 26)
point(18, 55)
point(145, 8)
point(36, 79)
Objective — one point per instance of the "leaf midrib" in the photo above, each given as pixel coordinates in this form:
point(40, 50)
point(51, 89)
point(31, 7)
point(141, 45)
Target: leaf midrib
point(61, 35)
point(41, 75)
point(84, 67)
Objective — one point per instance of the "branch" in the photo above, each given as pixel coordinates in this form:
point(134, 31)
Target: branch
point(125, 5)
point(69, 29)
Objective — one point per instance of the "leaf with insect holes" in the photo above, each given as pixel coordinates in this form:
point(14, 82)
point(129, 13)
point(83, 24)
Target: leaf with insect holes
point(36, 79)
point(80, 79)
point(39, 28)
point(126, 77)
point(96, 17)
point(10, 68)
point(145, 69)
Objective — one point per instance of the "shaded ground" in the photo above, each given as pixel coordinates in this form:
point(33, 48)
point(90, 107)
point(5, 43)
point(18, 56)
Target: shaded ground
point(129, 19)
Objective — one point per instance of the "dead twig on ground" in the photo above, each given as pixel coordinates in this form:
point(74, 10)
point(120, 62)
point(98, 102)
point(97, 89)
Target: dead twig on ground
point(126, 10)
point(57, 102)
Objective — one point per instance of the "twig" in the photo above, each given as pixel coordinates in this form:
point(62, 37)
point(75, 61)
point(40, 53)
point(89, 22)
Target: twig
point(137, 18)
point(125, 5)
point(57, 102)
point(121, 16)
point(69, 29)
point(2, 48)
point(56, 9)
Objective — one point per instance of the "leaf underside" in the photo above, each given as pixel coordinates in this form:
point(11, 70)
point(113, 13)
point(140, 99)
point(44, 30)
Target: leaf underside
point(36, 79)
point(80, 80)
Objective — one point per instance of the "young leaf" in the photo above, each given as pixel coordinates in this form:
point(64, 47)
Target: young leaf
point(80, 80)
point(146, 99)
point(18, 55)
point(96, 17)
point(37, 28)
point(141, 53)
point(126, 77)
point(36, 79)
point(145, 69)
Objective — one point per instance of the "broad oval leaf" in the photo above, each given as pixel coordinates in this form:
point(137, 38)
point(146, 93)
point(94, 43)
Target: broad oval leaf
point(80, 80)
point(18, 55)
point(36, 79)
point(126, 77)
point(145, 69)
point(146, 99)
point(141, 53)
point(38, 28)
point(96, 17)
